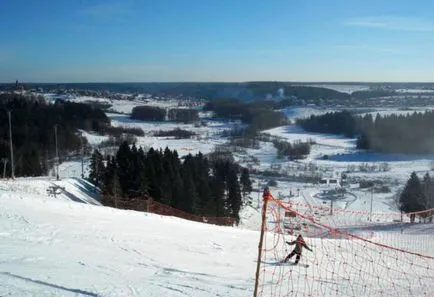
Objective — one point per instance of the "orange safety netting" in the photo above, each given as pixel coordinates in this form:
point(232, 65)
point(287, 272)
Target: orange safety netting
point(354, 253)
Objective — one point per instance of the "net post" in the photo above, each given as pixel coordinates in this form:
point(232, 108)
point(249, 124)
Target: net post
point(266, 196)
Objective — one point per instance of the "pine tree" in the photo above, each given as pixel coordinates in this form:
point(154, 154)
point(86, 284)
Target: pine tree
point(234, 194)
point(246, 184)
point(428, 192)
point(218, 189)
point(124, 160)
point(189, 202)
point(97, 169)
point(412, 197)
point(116, 189)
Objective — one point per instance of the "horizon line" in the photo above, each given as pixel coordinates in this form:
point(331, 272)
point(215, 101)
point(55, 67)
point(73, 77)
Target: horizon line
point(221, 82)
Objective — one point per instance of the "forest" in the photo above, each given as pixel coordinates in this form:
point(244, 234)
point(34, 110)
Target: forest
point(258, 115)
point(158, 114)
point(405, 134)
point(33, 131)
point(195, 185)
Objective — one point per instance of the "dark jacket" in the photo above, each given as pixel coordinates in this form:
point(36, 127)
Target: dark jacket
point(299, 244)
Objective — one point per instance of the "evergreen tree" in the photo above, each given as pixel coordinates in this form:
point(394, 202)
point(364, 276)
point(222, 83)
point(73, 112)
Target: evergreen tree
point(412, 197)
point(189, 186)
point(124, 161)
point(202, 185)
point(234, 194)
point(97, 169)
point(428, 192)
point(246, 184)
point(190, 200)
point(219, 188)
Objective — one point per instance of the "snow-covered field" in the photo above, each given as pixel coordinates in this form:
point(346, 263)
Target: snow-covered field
point(207, 137)
point(341, 87)
point(69, 245)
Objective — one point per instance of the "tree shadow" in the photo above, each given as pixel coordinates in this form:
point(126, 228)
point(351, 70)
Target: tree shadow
point(76, 291)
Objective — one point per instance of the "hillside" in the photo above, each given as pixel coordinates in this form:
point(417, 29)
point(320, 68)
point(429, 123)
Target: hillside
point(55, 247)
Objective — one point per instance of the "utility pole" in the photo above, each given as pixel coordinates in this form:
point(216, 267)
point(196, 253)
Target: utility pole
point(259, 191)
point(57, 152)
point(370, 212)
point(82, 157)
point(11, 145)
point(5, 162)
point(331, 206)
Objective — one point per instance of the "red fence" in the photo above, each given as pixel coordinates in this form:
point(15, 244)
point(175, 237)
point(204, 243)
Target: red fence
point(149, 205)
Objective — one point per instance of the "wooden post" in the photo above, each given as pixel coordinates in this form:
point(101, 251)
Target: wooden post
point(266, 196)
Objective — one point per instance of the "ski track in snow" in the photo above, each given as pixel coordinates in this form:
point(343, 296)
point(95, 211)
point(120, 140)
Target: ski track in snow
point(61, 248)
point(70, 246)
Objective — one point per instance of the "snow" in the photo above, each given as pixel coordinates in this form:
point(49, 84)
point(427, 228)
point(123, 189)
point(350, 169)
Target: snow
point(416, 91)
point(293, 113)
point(208, 136)
point(57, 247)
point(61, 248)
point(70, 189)
point(341, 87)
point(69, 245)
point(94, 139)
point(389, 111)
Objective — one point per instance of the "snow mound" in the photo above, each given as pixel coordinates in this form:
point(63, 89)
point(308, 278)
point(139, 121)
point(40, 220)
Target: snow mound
point(69, 189)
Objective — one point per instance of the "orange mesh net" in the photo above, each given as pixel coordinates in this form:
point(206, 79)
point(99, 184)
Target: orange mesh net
point(354, 253)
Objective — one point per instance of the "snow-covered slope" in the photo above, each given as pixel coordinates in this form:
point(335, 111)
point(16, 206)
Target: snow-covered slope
point(55, 247)
point(69, 189)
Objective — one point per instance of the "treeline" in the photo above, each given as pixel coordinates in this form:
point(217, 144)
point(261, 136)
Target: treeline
point(183, 115)
point(297, 150)
point(417, 196)
point(258, 115)
point(196, 185)
point(152, 113)
point(393, 133)
point(33, 132)
point(178, 133)
point(372, 94)
point(332, 122)
point(410, 134)
point(302, 92)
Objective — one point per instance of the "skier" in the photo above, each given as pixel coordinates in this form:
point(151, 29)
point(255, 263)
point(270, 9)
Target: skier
point(299, 244)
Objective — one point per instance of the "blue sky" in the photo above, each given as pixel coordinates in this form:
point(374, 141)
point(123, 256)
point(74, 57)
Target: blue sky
point(216, 40)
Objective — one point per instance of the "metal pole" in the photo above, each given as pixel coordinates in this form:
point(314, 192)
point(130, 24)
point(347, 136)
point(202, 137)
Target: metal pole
point(331, 206)
point(82, 157)
point(259, 191)
point(5, 162)
point(12, 149)
point(261, 240)
point(57, 152)
point(370, 212)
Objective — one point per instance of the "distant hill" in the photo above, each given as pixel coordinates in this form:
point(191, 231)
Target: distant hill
point(246, 91)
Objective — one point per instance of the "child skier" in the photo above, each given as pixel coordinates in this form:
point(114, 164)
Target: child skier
point(299, 244)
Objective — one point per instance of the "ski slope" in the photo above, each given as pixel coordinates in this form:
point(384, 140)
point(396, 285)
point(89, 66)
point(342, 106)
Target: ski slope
point(58, 247)
point(53, 247)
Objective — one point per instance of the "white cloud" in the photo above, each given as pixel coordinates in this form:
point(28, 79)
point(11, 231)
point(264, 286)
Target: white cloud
point(392, 23)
